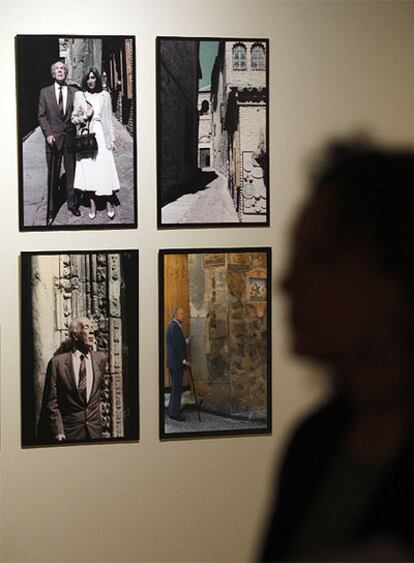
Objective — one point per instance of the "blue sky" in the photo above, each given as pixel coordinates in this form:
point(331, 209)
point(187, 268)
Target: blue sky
point(208, 52)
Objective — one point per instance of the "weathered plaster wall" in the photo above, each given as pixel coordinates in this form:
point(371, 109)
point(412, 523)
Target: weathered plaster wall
point(228, 349)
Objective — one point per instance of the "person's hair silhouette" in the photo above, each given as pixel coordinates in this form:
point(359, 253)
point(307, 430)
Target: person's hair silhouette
point(346, 489)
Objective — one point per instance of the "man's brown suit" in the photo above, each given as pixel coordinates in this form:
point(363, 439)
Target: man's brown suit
point(67, 412)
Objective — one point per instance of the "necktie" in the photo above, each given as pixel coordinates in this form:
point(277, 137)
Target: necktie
point(82, 377)
point(60, 100)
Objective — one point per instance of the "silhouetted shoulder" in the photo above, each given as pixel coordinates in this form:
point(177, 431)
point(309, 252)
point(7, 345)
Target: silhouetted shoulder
point(320, 429)
point(312, 443)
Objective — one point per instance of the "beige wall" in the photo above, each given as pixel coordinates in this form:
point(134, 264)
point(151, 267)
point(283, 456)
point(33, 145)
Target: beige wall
point(335, 66)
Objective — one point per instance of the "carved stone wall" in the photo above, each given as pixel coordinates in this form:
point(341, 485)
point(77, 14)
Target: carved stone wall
point(228, 322)
point(80, 285)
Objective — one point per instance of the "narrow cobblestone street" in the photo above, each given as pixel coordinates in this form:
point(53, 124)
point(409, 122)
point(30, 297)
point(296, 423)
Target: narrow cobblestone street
point(35, 184)
point(209, 423)
point(213, 204)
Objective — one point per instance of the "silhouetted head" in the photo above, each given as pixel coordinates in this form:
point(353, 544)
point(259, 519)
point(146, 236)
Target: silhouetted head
point(351, 277)
point(92, 81)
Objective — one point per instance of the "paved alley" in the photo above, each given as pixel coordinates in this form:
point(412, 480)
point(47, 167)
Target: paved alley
point(35, 184)
point(209, 423)
point(212, 204)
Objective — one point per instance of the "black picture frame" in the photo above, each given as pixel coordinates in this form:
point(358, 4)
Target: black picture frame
point(42, 199)
point(212, 163)
point(57, 288)
point(228, 391)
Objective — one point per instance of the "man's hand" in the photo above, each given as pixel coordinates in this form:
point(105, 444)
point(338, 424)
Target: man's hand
point(60, 437)
point(186, 364)
point(188, 340)
point(50, 139)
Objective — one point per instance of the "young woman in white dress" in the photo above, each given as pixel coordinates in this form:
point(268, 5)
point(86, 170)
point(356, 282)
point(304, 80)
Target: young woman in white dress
point(96, 173)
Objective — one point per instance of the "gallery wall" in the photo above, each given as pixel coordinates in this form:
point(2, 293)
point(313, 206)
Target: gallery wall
point(335, 67)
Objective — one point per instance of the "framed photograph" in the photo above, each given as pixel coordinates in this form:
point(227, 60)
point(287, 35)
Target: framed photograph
point(215, 342)
point(212, 132)
point(76, 114)
point(79, 347)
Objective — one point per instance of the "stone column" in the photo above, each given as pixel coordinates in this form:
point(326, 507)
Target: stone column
point(115, 344)
point(44, 276)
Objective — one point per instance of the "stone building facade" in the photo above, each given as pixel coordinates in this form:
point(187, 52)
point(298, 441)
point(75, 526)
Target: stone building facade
point(79, 54)
point(68, 286)
point(228, 324)
point(239, 114)
point(114, 59)
point(118, 64)
point(204, 128)
point(178, 75)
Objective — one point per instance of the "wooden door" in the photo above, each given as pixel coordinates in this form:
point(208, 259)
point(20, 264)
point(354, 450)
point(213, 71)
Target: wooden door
point(176, 294)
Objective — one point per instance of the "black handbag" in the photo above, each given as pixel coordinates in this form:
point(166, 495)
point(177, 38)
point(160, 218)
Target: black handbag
point(85, 141)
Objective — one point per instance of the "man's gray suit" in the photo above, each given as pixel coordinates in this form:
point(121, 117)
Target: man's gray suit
point(67, 411)
point(52, 122)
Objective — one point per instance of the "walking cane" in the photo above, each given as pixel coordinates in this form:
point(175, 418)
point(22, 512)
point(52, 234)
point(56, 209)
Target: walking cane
point(195, 393)
point(50, 212)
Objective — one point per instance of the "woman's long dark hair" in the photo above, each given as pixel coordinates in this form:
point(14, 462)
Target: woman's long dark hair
point(96, 73)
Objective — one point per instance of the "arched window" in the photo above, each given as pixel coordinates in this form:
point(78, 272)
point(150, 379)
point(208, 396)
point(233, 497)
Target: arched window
point(205, 107)
point(258, 57)
point(239, 57)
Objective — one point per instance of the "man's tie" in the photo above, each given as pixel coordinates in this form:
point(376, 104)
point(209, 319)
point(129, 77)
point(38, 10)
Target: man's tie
point(82, 377)
point(60, 100)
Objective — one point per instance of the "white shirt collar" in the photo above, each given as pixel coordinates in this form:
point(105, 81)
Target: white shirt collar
point(78, 354)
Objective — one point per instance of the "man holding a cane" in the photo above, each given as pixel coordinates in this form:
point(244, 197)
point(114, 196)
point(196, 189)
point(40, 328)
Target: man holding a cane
point(54, 115)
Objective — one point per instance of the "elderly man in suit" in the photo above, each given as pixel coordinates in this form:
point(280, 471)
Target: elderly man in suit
point(73, 387)
point(54, 115)
point(176, 362)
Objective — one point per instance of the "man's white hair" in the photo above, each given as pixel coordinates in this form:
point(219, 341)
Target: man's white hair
point(52, 68)
point(175, 311)
point(76, 325)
